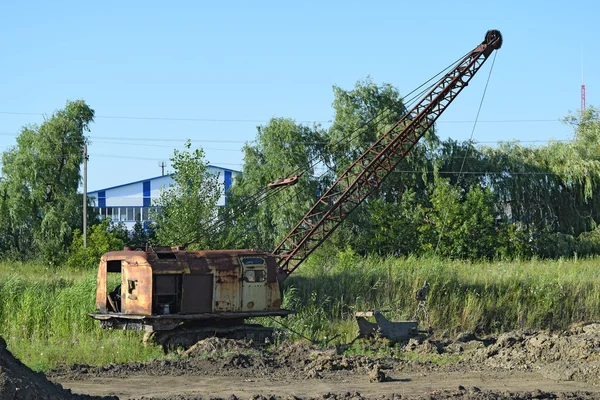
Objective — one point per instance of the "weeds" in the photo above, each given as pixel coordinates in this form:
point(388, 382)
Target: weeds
point(463, 296)
point(45, 323)
point(43, 312)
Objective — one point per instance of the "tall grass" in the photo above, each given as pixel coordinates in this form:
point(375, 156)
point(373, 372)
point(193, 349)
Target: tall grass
point(463, 296)
point(43, 314)
point(45, 323)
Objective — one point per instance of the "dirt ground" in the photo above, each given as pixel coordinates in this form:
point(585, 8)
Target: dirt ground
point(516, 365)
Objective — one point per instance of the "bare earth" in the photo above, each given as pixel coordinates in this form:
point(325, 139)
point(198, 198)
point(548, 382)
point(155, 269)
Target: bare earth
point(516, 365)
point(407, 385)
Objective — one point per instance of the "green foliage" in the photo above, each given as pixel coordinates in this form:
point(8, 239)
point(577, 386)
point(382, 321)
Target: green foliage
point(362, 115)
point(456, 226)
point(509, 201)
point(43, 311)
point(43, 318)
point(589, 243)
point(38, 196)
point(281, 148)
point(187, 210)
point(488, 297)
point(140, 236)
point(102, 237)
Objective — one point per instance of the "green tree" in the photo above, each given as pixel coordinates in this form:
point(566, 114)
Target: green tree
point(41, 177)
point(140, 235)
point(101, 238)
point(257, 218)
point(392, 226)
point(364, 114)
point(186, 212)
point(283, 148)
point(459, 224)
point(6, 232)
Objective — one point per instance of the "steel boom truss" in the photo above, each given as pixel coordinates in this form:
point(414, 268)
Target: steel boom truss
point(367, 173)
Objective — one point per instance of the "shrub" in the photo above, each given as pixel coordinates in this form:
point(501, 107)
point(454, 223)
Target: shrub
point(102, 237)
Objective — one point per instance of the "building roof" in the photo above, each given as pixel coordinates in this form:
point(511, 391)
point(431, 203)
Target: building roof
point(153, 178)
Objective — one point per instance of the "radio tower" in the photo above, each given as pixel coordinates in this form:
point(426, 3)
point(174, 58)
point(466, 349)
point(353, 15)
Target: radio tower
point(582, 87)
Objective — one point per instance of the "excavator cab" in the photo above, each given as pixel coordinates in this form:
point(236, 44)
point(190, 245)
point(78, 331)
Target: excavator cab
point(162, 288)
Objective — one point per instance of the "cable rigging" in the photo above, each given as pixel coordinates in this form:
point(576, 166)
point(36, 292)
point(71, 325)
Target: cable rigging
point(259, 196)
point(467, 150)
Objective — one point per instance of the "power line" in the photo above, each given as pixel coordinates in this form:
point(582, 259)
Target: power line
point(498, 121)
point(232, 120)
point(160, 145)
point(150, 139)
point(143, 158)
point(482, 172)
point(190, 119)
point(460, 174)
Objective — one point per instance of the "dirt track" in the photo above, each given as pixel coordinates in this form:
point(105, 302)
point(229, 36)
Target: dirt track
point(514, 365)
point(436, 385)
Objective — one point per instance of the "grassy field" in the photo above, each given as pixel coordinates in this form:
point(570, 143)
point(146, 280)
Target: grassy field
point(43, 318)
point(43, 312)
point(487, 297)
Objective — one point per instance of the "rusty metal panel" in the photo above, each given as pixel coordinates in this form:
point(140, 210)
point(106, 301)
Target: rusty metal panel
point(227, 293)
point(272, 267)
point(273, 296)
point(197, 264)
point(126, 255)
point(166, 284)
point(223, 262)
point(166, 297)
point(223, 292)
point(136, 289)
point(101, 287)
point(197, 294)
point(175, 268)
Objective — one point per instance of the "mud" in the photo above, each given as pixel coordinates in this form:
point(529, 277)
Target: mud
point(18, 382)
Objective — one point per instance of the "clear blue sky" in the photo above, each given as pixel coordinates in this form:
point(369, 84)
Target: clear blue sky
point(239, 60)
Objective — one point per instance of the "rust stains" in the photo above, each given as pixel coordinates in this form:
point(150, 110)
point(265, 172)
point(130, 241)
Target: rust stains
point(165, 281)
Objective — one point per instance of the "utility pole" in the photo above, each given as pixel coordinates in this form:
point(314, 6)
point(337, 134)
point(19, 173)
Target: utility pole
point(85, 160)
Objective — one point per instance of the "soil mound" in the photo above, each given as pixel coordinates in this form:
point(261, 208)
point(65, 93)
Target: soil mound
point(18, 382)
point(217, 346)
point(475, 393)
point(571, 355)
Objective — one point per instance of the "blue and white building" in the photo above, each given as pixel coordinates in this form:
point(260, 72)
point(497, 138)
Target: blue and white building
point(131, 202)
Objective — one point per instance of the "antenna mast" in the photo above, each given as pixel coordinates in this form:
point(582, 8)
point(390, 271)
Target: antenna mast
point(582, 88)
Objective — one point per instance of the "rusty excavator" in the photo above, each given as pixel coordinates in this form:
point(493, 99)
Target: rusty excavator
point(179, 297)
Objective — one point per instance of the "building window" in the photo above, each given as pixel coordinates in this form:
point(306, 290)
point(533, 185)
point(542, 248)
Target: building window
point(115, 214)
point(130, 214)
point(144, 213)
point(123, 214)
point(138, 213)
